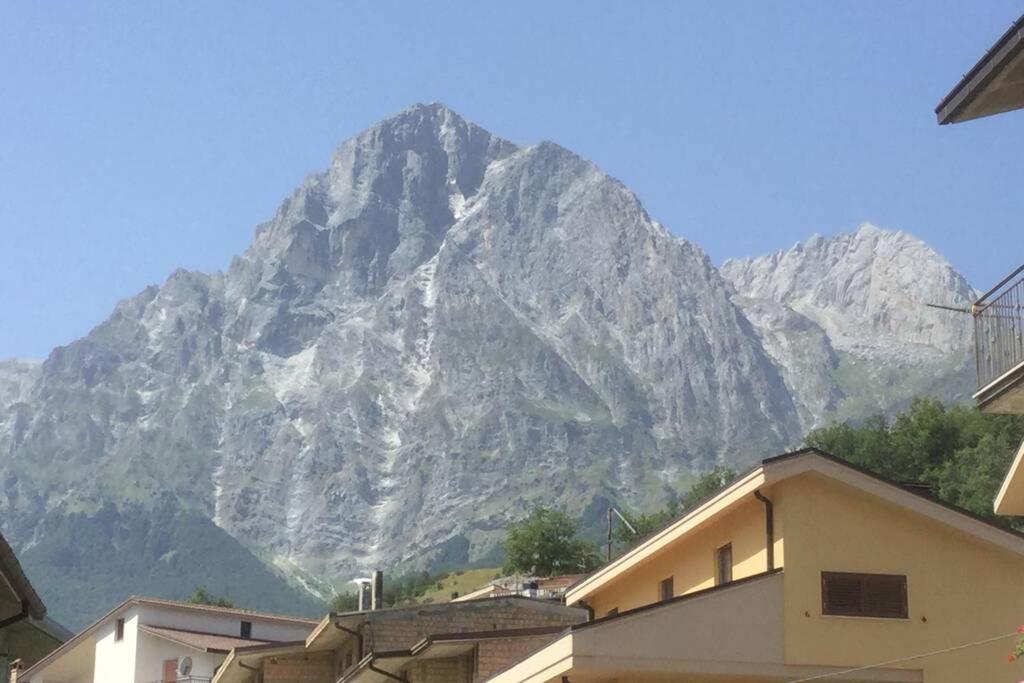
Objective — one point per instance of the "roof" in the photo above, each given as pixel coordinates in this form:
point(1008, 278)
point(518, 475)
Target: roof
point(136, 600)
point(994, 85)
point(1010, 499)
point(780, 467)
point(12, 577)
point(206, 642)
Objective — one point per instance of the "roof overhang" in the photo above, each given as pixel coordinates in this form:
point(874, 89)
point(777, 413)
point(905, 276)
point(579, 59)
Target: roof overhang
point(17, 596)
point(1010, 499)
point(782, 467)
point(682, 639)
point(993, 86)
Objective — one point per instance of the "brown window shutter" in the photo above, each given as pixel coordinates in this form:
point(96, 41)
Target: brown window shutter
point(723, 564)
point(864, 595)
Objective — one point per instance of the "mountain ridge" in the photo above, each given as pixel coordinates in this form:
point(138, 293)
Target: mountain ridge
point(437, 332)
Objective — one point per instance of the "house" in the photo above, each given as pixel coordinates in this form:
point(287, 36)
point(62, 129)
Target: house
point(456, 642)
point(147, 640)
point(993, 86)
point(805, 568)
point(26, 633)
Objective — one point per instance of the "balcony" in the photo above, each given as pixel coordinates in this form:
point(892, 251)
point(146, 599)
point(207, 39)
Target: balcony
point(999, 346)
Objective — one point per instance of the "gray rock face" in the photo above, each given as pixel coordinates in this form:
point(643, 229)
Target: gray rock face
point(437, 332)
point(846, 319)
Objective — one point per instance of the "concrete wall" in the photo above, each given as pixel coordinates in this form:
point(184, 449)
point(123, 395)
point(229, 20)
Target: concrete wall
point(960, 589)
point(691, 562)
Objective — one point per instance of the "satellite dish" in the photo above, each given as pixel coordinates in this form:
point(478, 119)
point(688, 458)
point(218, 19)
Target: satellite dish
point(185, 666)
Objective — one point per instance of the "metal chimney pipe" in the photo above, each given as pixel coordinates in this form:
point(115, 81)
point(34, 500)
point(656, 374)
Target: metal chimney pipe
point(376, 589)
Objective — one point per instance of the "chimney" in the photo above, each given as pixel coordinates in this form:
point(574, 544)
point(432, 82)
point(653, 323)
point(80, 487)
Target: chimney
point(364, 586)
point(376, 589)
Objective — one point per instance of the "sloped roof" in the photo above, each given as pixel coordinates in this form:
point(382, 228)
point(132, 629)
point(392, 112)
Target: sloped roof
point(12, 577)
point(206, 642)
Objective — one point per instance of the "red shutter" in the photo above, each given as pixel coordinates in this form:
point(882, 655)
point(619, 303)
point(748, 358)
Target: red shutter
point(170, 670)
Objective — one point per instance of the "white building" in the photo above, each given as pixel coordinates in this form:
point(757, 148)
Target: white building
point(145, 640)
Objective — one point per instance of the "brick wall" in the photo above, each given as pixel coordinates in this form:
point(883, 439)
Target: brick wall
point(401, 629)
point(451, 670)
point(299, 669)
point(496, 654)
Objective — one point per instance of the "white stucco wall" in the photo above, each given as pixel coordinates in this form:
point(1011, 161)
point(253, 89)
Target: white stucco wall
point(153, 651)
point(229, 625)
point(115, 660)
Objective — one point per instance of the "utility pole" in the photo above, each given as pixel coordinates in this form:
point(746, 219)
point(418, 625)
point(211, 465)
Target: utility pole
point(613, 512)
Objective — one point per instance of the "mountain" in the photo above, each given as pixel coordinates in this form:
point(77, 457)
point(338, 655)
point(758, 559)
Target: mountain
point(845, 318)
point(437, 332)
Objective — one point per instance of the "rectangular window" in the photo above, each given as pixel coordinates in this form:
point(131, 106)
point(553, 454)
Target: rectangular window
point(723, 564)
point(666, 589)
point(864, 595)
point(119, 630)
point(246, 630)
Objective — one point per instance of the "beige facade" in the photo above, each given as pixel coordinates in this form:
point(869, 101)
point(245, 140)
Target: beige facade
point(956, 582)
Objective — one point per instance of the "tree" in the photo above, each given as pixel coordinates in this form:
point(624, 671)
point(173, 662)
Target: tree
point(709, 484)
point(646, 524)
point(201, 596)
point(344, 602)
point(545, 544)
point(961, 453)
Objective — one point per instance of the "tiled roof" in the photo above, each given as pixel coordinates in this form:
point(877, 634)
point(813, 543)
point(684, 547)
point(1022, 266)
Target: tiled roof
point(208, 642)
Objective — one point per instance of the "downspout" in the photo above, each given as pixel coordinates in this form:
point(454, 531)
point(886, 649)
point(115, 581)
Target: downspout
point(357, 633)
point(769, 528)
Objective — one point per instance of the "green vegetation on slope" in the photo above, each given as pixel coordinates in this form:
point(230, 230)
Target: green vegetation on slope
point(461, 582)
point(85, 563)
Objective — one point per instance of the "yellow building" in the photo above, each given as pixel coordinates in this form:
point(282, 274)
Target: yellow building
point(802, 569)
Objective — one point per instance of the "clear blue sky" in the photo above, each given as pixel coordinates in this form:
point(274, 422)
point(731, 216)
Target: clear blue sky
point(138, 137)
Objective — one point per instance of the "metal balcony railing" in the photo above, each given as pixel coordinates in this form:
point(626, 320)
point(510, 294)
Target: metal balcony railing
point(186, 679)
point(999, 328)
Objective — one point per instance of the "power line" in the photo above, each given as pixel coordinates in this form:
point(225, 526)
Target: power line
point(908, 659)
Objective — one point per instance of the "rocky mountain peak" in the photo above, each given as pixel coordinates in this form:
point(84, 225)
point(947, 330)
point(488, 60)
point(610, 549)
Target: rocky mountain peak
point(439, 331)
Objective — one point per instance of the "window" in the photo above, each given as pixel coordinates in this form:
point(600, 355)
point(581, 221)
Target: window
point(666, 589)
point(119, 630)
point(612, 612)
point(246, 630)
point(348, 661)
point(864, 595)
point(723, 564)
